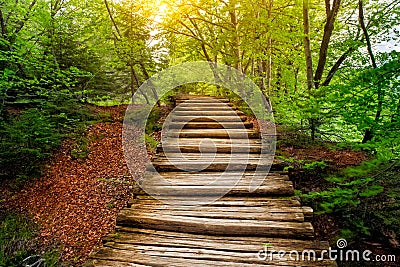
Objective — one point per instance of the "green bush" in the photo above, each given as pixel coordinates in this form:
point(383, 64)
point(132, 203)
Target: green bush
point(26, 141)
point(367, 197)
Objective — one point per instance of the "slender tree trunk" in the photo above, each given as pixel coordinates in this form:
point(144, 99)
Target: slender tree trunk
point(119, 36)
point(236, 41)
point(369, 133)
point(269, 51)
point(331, 14)
point(307, 44)
point(152, 87)
point(308, 55)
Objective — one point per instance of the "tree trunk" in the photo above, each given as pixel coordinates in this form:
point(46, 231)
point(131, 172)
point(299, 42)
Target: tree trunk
point(151, 85)
point(236, 41)
point(269, 51)
point(307, 44)
point(369, 133)
point(331, 14)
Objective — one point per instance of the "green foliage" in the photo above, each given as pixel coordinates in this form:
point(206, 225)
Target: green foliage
point(29, 138)
point(26, 141)
point(153, 123)
point(19, 243)
point(314, 166)
point(366, 196)
point(151, 143)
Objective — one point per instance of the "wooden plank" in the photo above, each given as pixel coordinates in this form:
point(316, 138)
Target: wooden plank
point(253, 201)
point(202, 100)
point(207, 163)
point(202, 113)
point(196, 107)
point(214, 133)
point(201, 194)
point(213, 226)
point(217, 148)
point(169, 247)
point(158, 208)
point(210, 125)
point(211, 145)
point(208, 177)
point(209, 256)
point(208, 118)
point(203, 184)
point(131, 235)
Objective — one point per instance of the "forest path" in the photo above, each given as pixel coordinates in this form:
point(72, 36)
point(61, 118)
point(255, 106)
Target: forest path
point(211, 150)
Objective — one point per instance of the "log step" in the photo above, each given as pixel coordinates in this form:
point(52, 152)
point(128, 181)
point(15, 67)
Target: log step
point(204, 107)
point(213, 133)
point(269, 213)
point(210, 125)
point(202, 113)
point(234, 201)
point(214, 183)
point(192, 222)
point(214, 162)
point(203, 100)
point(211, 145)
point(209, 118)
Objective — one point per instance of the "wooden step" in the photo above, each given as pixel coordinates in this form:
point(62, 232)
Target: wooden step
point(191, 223)
point(163, 248)
point(202, 100)
point(209, 118)
point(203, 113)
point(210, 125)
point(192, 107)
point(269, 213)
point(234, 201)
point(206, 105)
point(214, 162)
point(187, 145)
point(214, 133)
point(209, 184)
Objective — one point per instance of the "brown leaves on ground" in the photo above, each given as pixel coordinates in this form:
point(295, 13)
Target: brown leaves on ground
point(341, 158)
point(77, 201)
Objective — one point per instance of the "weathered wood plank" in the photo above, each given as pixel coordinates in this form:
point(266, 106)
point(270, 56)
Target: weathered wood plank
point(214, 133)
point(217, 226)
point(132, 235)
point(202, 113)
point(277, 213)
point(207, 106)
point(208, 118)
point(210, 125)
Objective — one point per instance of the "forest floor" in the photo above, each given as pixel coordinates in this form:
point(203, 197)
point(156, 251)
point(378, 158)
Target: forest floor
point(76, 201)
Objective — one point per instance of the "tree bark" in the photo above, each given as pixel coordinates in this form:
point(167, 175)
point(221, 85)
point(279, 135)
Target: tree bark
point(337, 65)
point(236, 40)
point(307, 44)
point(112, 19)
point(331, 13)
point(369, 132)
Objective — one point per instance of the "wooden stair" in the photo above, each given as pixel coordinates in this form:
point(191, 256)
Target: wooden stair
point(229, 231)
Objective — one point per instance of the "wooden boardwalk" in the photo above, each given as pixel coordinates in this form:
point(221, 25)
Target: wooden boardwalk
point(230, 231)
